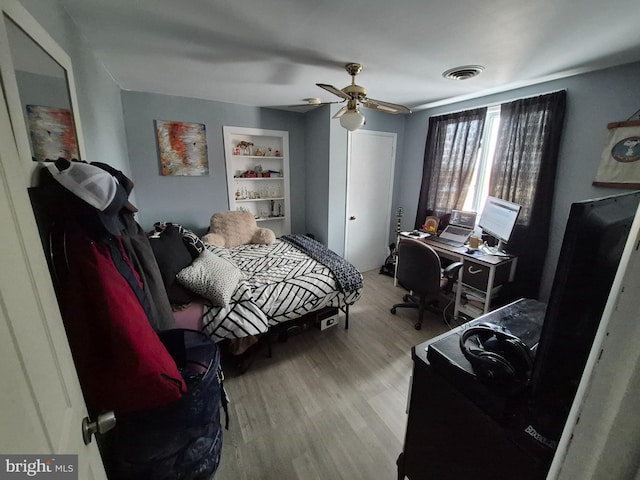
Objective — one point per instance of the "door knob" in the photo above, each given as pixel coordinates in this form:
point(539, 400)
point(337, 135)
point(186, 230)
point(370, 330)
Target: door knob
point(352, 217)
point(104, 423)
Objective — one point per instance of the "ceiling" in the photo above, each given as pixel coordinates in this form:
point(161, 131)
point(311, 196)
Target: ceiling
point(273, 52)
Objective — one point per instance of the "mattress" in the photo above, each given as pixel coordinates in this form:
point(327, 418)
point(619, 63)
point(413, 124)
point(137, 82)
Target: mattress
point(279, 283)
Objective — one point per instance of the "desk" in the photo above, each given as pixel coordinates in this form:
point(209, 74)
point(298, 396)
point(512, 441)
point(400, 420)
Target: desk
point(481, 277)
point(459, 428)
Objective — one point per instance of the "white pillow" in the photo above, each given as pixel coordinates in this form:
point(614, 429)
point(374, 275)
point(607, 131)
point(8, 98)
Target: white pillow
point(212, 277)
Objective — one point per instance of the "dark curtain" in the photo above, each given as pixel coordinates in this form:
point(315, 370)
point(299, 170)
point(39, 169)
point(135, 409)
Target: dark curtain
point(524, 171)
point(450, 157)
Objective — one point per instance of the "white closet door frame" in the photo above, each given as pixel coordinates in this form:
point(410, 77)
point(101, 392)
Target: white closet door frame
point(385, 216)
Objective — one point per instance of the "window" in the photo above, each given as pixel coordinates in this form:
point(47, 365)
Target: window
point(509, 152)
point(451, 154)
point(478, 189)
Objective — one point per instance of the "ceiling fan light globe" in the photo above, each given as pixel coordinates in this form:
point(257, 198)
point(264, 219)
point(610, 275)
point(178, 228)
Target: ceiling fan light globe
point(352, 120)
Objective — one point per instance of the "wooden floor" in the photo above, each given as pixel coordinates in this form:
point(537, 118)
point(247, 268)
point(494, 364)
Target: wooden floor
point(328, 404)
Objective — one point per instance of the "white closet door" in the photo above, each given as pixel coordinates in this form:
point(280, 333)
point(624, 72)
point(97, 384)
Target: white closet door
point(369, 196)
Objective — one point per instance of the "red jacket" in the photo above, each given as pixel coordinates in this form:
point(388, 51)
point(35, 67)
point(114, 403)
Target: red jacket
point(121, 362)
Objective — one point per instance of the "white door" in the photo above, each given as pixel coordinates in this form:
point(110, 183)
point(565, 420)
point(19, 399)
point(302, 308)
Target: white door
point(369, 197)
point(41, 404)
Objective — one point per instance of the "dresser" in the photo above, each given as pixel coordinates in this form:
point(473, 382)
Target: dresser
point(459, 428)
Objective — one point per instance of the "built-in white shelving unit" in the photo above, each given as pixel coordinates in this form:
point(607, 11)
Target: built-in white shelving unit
point(257, 163)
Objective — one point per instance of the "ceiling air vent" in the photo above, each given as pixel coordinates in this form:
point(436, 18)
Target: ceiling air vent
point(463, 73)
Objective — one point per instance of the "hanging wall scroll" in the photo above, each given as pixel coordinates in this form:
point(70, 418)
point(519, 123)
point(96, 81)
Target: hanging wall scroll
point(620, 163)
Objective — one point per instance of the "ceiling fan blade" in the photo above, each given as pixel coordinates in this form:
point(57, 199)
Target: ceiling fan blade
point(385, 106)
point(314, 104)
point(334, 90)
point(341, 112)
point(302, 108)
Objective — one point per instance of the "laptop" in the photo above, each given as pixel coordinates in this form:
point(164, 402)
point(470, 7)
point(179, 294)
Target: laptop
point(460, 228)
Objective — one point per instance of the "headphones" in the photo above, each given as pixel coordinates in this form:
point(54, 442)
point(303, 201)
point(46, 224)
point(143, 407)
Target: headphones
point(496, 355)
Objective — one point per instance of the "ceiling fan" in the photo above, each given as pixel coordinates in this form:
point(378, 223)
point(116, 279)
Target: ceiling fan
point(312, 103)
point(350, 117)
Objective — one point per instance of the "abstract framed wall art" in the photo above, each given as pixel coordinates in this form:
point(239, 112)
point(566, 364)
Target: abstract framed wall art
point(620, 163)
point(183, 148)
point(52, 133)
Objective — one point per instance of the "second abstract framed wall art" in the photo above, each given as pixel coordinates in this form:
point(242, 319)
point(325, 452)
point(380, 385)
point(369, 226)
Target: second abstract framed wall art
point(182, 148)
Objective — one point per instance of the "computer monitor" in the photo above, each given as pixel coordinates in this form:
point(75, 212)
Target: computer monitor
point(498, 219)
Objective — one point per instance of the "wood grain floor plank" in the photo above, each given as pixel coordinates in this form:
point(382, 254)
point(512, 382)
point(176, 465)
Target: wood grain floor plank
point(328, 404)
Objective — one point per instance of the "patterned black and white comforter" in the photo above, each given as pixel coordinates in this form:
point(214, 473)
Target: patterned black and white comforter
point(280, 283)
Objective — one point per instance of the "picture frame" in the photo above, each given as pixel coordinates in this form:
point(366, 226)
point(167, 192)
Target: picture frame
point(182, 148)
point(620, 162)
point(52, 133)
point(431, 224)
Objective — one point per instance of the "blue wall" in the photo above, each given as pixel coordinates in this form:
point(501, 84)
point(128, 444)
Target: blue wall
point(337, 186)
point(191, 201)
point(42, 90)
point(593, 100)
point(318, 162)
point(317, 141)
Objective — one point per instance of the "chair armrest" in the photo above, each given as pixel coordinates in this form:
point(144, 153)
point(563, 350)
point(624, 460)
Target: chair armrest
point(452, 270)
point(451, 274)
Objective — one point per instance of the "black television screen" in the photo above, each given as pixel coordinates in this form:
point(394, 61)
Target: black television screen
point(594, 238)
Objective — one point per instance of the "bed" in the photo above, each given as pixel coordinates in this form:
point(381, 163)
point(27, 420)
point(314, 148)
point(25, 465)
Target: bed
point(276, 283)
point(280, 283)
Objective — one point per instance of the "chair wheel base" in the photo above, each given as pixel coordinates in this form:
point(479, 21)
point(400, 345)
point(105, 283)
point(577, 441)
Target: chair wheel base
point(393, 310)
point(418, 326)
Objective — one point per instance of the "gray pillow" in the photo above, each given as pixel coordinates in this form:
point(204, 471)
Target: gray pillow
point(212, 277)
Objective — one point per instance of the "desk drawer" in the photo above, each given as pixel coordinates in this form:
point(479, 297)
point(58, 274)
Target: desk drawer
point(476, 275)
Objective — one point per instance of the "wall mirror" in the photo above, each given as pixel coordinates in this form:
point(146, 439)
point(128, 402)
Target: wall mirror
point(39, 86)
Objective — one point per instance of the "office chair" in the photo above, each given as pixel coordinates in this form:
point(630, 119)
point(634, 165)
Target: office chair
point(418, 270)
